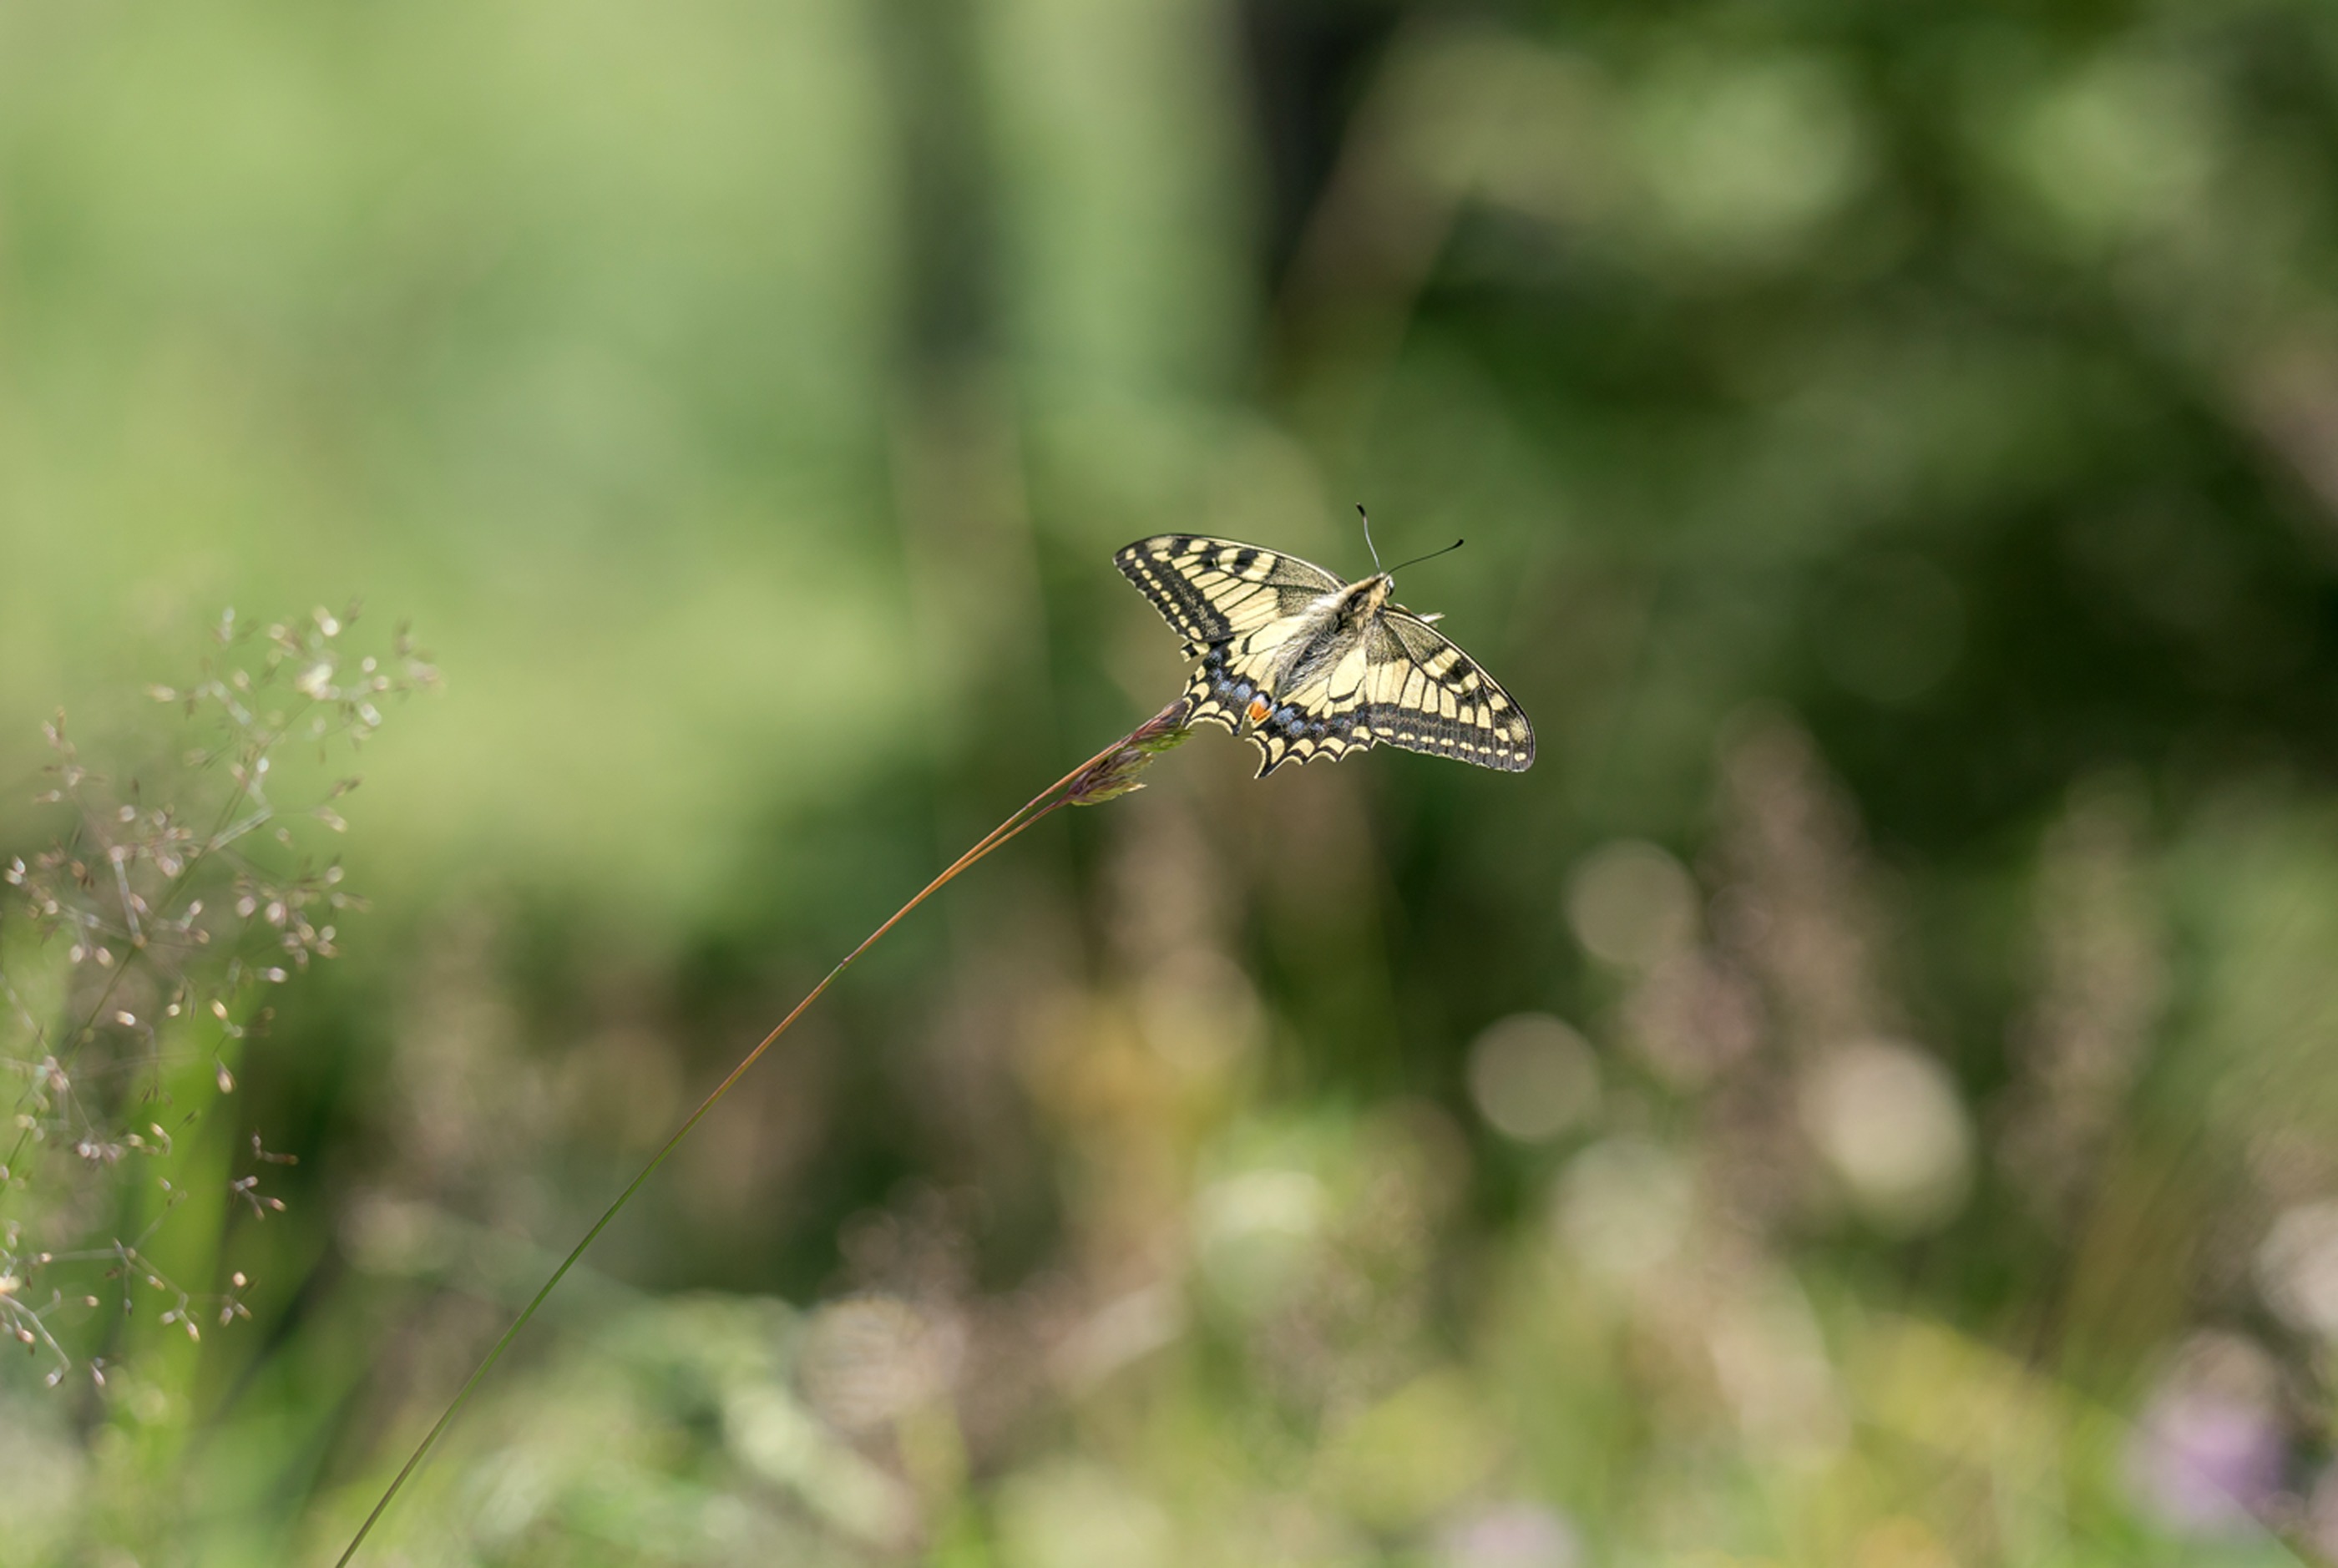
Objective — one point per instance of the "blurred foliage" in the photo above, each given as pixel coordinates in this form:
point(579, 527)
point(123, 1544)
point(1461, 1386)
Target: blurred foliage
point(1865, 1098)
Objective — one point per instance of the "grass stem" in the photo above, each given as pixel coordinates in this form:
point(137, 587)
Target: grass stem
point(1102, 777)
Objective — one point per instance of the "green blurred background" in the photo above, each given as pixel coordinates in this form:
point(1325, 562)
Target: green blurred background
point(1866, 1097)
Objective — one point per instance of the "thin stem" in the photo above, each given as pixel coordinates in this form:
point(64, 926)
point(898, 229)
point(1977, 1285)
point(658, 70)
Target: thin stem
point(1053, 798)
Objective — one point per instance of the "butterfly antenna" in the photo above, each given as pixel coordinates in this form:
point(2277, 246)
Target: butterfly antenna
point(1368, 535)
point(1432, 555)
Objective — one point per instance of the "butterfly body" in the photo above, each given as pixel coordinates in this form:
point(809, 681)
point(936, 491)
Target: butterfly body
point(1305, 665)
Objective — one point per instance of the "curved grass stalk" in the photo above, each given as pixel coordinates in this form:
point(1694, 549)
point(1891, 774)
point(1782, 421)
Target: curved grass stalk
point(1110, 773)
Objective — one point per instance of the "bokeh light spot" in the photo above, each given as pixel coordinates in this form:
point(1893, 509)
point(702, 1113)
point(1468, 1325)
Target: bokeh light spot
point(1887, 1119)
point(1631, 903)
point(1533, 1078)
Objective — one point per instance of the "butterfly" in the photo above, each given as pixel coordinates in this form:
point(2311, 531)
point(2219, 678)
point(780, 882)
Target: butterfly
point(1303, 665)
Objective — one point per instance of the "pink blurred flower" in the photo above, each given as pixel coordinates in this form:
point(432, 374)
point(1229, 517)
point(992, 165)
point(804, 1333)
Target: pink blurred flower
point(1507, 1535)
point(2208, 1455)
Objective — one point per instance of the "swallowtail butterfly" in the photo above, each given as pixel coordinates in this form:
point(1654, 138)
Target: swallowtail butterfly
point(1303, 665)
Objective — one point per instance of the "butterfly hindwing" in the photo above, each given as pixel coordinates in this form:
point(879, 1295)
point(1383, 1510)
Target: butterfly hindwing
point(1230, 679)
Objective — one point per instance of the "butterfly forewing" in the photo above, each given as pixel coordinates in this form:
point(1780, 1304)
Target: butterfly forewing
point(1424, 694)
point(1212, 590)
point(1284, 669)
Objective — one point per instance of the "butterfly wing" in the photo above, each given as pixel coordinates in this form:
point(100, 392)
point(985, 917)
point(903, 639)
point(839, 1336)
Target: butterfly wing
point(1422, 693)
point(1214, 591)
point(1235, 689)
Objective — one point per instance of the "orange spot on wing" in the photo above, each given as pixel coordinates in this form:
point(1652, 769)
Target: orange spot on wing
point(1258, 711)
